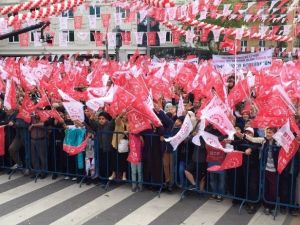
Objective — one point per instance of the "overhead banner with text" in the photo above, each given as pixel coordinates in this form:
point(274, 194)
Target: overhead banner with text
point(258, 60)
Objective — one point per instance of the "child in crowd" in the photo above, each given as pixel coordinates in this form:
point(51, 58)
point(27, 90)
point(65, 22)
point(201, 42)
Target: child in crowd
point(135, 157)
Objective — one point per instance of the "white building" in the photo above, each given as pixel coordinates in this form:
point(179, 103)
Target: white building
point(78, 41)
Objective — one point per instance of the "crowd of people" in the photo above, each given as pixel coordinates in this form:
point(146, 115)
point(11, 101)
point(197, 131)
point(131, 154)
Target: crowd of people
point(112, 148)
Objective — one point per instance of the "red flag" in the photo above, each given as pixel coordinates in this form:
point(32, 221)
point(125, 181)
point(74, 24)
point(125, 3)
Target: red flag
point(176, 37)
point(43, 101)
point(229, 44)
point(204, 35)
point(126, 37)
point(2, 86)
point(137, 122)
point(2, 140)
point(233, 159)
point(285, 157)
point(55, 115)
point(24, 115)
point(130, 17)
point(122, 101)
point(24, 40)
point(98, 39)
point(105, 19)
point(272, 105)
point(77, 22)
point(74, 150)
point(44, 115)
point(239, 92)
point(151, 38)
point(237, 7)
point(265, 122)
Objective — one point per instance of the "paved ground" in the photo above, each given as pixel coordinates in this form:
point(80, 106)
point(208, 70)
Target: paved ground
point(62, 202)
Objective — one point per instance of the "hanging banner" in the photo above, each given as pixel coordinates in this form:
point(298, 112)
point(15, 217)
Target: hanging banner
point(176, 37)
point(98, 39)
point(63, 39)
point(139, 37)
point(77, 22)
point(111, 37)
point(63, 23)
point(118, 19)
point(258, 60)
point(105, 20)
point(126, 37)
point(36, 41)
point(24, 40)
point(82, 35)
point(151, 38)
point(92, 21)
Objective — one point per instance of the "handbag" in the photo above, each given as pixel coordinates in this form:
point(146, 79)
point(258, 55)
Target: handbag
point(123, 146)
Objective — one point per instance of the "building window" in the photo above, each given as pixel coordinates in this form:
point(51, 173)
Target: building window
point(92, 36)
point(169, 36)
point(13, 39)
point(32, 35)
point(244, 44)
point(124, 12)
point(11, 14)
point(70, 37)
point(68, 13)
point(95, 11)
point(262, 43)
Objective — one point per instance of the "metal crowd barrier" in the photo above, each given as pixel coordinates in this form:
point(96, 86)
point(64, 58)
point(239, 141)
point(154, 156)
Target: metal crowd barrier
point(246, 184)
point(239, 184)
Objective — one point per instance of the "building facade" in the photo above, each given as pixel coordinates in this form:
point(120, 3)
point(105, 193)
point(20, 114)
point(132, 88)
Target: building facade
point(82, 41)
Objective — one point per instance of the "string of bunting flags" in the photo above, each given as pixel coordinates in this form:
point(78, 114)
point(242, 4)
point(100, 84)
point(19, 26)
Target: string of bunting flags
point(26, 6)
point(45, 12)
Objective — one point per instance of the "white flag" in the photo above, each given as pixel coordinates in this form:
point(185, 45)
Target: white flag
point(65, 96)
point(239, 33)
point(82, 35)
point(171, 13)
point(162, 37)
point(139, 37)
point(75, 110)
point(111, 37)
point(37, 37)
point(94, 104)
point(63, 39)
point(118, 19)
point(182, 134)
point(63, 23)
point(92, 21)
point(143, 14)
point(189, 37)
point(216, 33)
point(181, 108)
point(284, 136)
point(7, 97)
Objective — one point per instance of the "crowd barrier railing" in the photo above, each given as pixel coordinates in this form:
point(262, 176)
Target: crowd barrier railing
point(158, 169)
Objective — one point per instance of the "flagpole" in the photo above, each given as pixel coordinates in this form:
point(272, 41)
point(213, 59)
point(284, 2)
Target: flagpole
point(235, 61)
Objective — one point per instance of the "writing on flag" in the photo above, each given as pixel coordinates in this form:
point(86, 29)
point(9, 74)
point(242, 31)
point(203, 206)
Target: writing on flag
point(182, 134)
point(233, 159)
point(284, 136)
point(75, 110)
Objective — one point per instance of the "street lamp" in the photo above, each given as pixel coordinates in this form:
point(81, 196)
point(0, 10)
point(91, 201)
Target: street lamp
point(118, 41)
